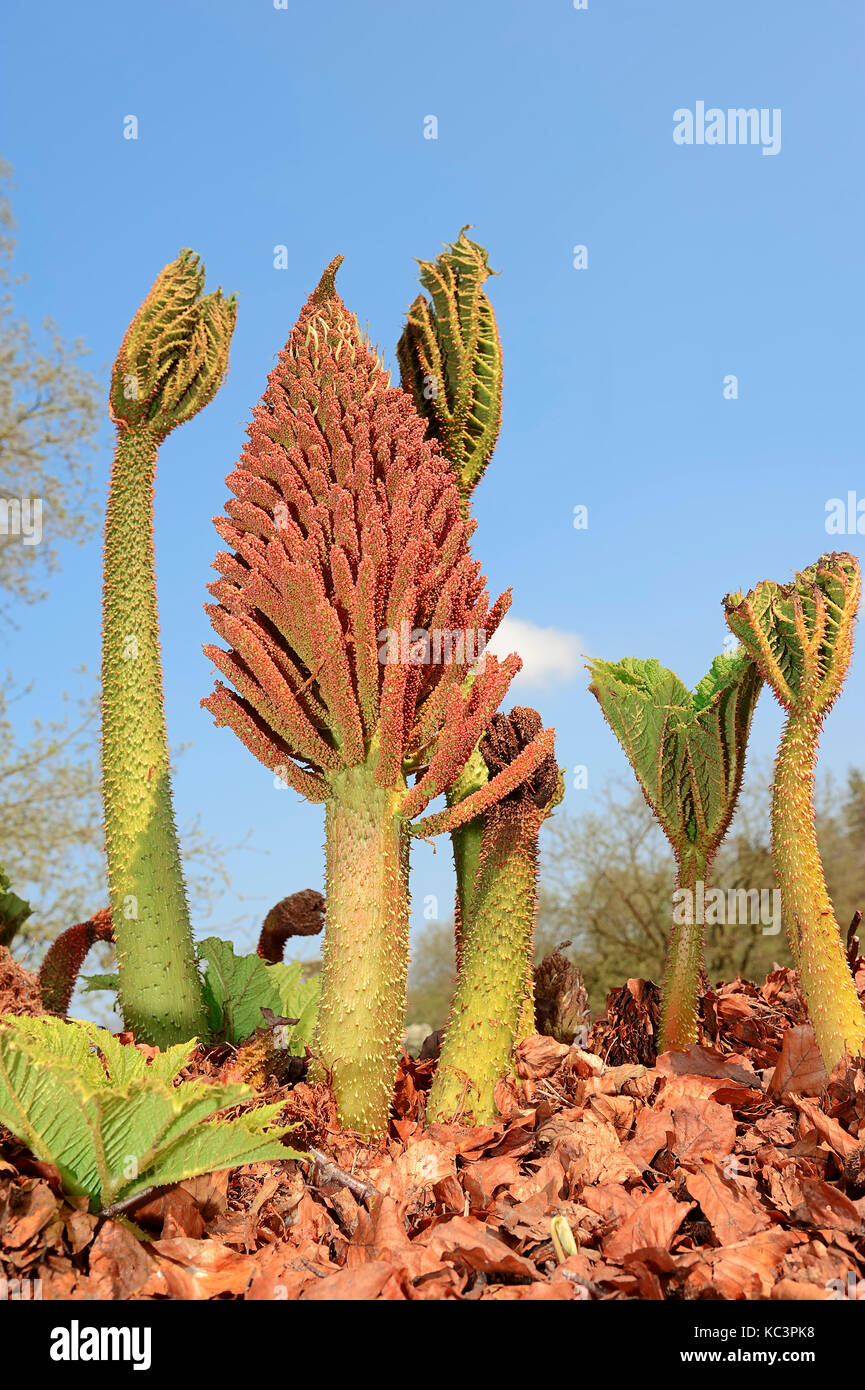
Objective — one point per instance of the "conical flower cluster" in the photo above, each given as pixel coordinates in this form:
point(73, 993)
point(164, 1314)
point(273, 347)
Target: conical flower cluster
point(349, 601)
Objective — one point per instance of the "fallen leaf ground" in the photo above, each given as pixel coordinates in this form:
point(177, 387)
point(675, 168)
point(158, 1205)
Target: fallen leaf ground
point(733, 1171)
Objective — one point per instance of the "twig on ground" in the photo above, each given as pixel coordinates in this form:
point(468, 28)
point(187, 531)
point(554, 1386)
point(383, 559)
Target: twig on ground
point(331, 1172)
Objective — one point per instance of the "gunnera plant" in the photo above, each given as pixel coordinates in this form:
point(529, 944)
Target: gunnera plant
point(492, 982)
point(171, 363)
point(451, 363)
point(349, 560)
point(800, 638)
point(687, 751)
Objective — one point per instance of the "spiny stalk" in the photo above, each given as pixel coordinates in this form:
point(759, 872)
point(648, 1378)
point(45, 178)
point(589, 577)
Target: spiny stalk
point(800, 638)
point(493, 981)
point(171, 362)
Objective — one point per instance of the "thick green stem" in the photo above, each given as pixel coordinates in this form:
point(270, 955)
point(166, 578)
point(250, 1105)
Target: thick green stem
point(160, 987)
point(486, 1008)
point(466, 844)
point(812, 931)
point(680, 996)
point(361, 1014)
point(466, 841)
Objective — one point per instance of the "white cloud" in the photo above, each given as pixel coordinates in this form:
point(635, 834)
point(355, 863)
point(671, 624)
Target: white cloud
point(550, 655)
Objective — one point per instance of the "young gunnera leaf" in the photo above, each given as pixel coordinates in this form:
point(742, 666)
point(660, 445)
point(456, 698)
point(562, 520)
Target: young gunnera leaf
point(688, 754)
point(451, 359)
point(114, 1123)
point(687, 750)
point(238, 988)
point(299, 999)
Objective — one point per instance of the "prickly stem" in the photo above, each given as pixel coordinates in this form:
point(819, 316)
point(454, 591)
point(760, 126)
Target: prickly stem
point(361, 1012)
point(160, 988)
point(486, 1007)
point(800, 637)
point(172, 361)
point(493, 1005)
point(681, 989)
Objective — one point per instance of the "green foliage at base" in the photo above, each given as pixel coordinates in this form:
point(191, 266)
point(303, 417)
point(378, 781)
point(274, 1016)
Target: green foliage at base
point(237, 988)
point(114, 1123)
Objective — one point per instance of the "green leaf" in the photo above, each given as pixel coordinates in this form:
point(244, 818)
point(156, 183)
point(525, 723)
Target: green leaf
point(14, 911)
point(114, 1123)
point(451, 360)
point(238, 988)
point(687, 750)
point(90, 984)
point(298, 999)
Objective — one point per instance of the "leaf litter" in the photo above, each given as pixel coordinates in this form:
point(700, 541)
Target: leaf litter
point(733, 1170)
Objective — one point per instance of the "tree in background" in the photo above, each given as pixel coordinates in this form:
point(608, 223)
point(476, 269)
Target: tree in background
point(50, 815)
point(51, 838)
point(51, 823)
point(49, 418)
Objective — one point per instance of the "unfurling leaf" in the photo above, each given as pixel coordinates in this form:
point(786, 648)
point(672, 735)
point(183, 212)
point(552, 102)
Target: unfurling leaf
point(451, 359)
point(688, 754)
point(174, 356)
point(687, 750)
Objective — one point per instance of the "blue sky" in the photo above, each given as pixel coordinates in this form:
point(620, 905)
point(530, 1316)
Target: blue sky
point(304, 127)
